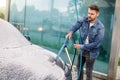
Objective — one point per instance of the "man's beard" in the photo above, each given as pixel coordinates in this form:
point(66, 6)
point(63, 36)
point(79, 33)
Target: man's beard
point(91, 19)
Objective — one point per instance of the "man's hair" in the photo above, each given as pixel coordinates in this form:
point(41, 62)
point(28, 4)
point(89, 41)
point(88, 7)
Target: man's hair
point(94, 7)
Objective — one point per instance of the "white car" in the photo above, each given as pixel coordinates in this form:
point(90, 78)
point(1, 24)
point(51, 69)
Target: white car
point(21, 60)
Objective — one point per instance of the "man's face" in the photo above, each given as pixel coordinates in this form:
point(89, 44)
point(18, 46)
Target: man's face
point(92, 15)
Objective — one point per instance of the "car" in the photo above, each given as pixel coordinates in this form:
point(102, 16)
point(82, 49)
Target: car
point(22, 60)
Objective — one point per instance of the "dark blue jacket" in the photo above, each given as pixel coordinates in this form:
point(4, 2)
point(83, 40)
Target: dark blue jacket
point(95, 33)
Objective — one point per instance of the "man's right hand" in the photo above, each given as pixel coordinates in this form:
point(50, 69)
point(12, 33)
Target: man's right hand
point(69, 35)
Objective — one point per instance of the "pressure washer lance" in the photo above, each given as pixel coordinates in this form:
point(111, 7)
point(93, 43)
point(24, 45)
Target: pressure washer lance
point(61, 49)
point(67, 53)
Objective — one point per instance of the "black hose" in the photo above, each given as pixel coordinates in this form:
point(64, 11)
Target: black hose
point(75, 51)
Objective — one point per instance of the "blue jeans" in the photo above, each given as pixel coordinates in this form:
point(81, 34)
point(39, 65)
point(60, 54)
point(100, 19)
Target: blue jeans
point(89, 65)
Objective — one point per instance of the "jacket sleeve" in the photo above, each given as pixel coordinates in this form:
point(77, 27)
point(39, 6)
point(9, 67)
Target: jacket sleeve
point(77, 25)
point(97, 42)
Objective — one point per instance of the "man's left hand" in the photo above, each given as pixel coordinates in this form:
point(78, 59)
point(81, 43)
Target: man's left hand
point(77, 46)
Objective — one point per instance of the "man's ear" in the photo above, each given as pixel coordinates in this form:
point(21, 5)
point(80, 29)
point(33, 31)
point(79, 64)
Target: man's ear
point(98, 14)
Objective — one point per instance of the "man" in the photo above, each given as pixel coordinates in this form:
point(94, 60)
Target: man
point(92, 33)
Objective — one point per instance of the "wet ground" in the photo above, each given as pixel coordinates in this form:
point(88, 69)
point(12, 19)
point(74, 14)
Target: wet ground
point(118, 73)
point(74, 75)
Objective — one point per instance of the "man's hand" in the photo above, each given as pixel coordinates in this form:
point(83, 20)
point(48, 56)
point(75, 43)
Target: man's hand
point(77, 46)
point(69, 35)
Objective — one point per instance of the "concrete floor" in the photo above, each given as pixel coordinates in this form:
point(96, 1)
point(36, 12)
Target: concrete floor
point(74, 75)
point(118, 73)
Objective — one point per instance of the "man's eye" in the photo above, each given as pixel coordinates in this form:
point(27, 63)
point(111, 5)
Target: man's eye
point(88, 13)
